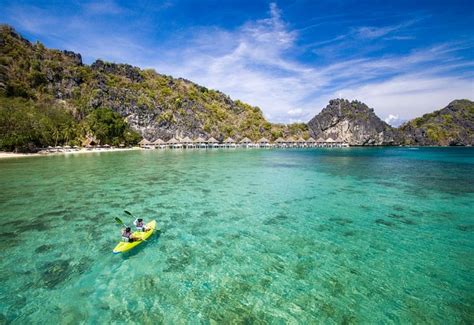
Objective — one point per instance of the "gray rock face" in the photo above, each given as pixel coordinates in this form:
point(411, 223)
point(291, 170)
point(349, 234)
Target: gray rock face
point(354, 123)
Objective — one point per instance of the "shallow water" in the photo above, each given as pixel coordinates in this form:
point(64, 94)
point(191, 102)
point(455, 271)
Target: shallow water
point(372, 235)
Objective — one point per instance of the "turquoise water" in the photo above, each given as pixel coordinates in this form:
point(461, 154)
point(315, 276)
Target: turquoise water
point(376, 235)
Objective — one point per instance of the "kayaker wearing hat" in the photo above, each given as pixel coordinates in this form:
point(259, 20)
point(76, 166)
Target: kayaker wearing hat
point(140, 225)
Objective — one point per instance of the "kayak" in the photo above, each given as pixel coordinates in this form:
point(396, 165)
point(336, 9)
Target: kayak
point(141, 236)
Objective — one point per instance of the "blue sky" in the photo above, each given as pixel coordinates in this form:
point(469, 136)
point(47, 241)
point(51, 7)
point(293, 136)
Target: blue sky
point(403, 58)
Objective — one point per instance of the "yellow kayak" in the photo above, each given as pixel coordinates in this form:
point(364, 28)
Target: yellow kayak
point(139, 235)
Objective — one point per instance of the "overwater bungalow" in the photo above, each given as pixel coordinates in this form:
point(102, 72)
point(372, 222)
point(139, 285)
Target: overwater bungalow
point(212, 143)
point(263, 143)
point(200, 142)
point(311, 142)
point(280, 143)
point(321, 142)
point(187, 142)
point(158, 143)
point(330, 142)
point(301, 143)
point(229, 143)
point(145, 144)
point(174, 143)
point(291, 142)
point(245, 142)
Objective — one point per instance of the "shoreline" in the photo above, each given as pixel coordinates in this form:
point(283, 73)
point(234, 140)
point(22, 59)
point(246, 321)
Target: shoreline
point(5, 154)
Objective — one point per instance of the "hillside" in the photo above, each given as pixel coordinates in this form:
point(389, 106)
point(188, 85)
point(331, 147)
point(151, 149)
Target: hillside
point(353, 122)
point(49, 97)
point(450, 126)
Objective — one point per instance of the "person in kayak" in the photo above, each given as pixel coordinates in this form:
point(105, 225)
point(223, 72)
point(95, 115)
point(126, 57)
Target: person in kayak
point(140, 224)
point(127, 235)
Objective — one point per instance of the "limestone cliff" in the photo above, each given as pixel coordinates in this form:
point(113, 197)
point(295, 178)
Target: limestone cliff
point(352, 122)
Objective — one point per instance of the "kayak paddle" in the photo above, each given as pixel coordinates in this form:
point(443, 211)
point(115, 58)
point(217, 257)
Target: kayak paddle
point(129, 213)
point(120, 222)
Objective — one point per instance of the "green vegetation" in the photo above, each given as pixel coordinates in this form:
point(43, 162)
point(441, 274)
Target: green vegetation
point(26, 125)
point(108, 127)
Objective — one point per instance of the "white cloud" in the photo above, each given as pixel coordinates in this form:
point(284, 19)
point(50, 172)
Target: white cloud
point(394, 120)
point(370, 32)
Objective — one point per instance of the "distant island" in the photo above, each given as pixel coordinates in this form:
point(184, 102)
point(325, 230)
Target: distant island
point(356, 123)
point(50, 98)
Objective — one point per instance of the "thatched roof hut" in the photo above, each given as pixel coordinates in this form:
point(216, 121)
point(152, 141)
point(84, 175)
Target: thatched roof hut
point(200, 140)
point(212, 140)
point(245, 141)
point(339, 140)
point(320, 140)
point(186, 140)
point(229, 140)
point(280, 140)
point(310, 140)
point(158, 142)
point(263, 140)
point(330, 140)
point(301, 140)
point(144, 142)
point(172, 141)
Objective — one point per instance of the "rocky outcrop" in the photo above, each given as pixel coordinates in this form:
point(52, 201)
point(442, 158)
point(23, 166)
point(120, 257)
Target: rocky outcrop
point(354, 123)
point(450, 126)
point(125, 70)
point(76, 57)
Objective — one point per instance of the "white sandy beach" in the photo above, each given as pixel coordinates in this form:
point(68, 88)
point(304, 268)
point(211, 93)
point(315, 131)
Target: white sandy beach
point(4, 154)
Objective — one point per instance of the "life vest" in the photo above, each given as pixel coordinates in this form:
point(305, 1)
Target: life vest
point(126, 235)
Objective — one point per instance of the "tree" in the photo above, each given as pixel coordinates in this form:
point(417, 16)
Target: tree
point(108, 127)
